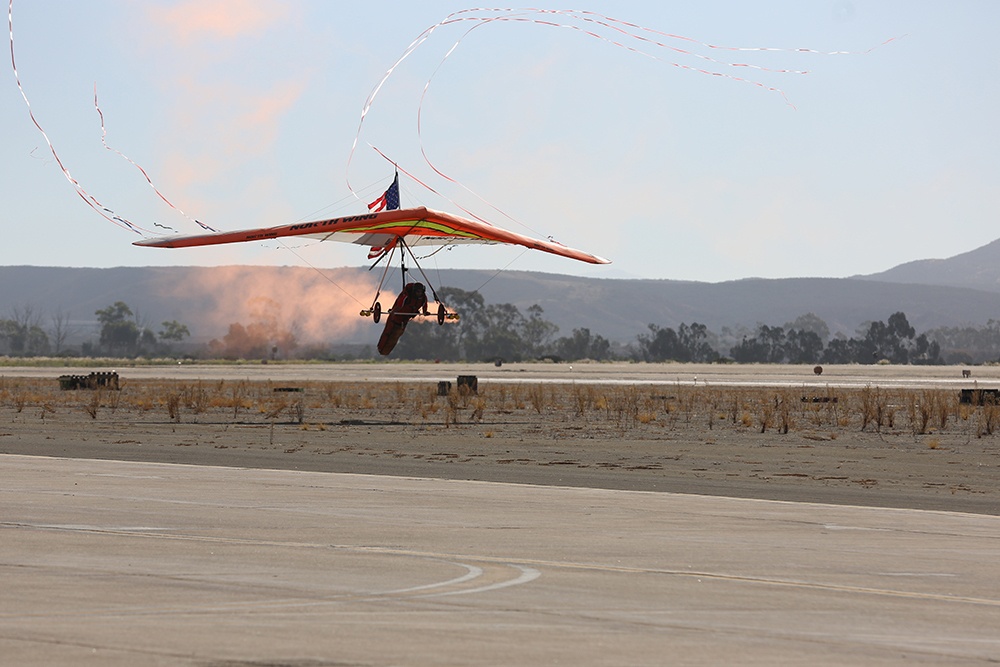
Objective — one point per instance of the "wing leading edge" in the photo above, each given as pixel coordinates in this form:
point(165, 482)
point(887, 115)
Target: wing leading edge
point(417, 226)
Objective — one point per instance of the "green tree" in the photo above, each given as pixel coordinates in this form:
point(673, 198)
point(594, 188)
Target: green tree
point(810, 322)
point(968, 344)
point(694, 343)
point(22, 335)
point(538, 332)
point(466, 334)
point(890, 341)
point(147, 342)
point(581, 344)
point(426, 339)
point(660, 344)
point(925, 351)
point(174, 331)
point(687, 343)
point(119, 331)
point(840, 351)
point(503, 325)
point(803, 347)
point(767, 347)
point(11, 337)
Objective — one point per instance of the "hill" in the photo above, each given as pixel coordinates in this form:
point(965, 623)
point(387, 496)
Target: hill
point(323, 305)
point(976, 269)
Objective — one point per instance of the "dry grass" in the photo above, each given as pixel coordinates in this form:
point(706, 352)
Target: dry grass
point(650, 409)
point(93, 405)
point(536, 396)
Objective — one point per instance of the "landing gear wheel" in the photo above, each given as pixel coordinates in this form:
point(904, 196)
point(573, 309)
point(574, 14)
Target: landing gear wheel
point(441, 313)
point(377, 312)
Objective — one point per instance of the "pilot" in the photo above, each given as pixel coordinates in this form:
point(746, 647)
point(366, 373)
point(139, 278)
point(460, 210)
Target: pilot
point(411, 301)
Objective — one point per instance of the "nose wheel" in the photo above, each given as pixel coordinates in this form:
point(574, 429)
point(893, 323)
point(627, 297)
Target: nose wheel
point(375, 312)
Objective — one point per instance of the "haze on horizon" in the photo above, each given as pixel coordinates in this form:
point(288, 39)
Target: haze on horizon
point(244, 112)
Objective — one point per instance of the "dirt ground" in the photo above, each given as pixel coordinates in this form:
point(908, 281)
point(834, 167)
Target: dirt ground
point(895, 447)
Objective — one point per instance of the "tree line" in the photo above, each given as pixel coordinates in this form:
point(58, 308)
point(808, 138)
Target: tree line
point(501, 331)
point(122, 334)
point(490, 332)
point(497, 332)
point(894, 341)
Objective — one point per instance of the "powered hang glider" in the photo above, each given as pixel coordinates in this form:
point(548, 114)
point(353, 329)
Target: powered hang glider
point(386, 232)
point(413, 226)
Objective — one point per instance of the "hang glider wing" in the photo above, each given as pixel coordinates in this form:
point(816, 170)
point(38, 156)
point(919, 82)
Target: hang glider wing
point(416, 226)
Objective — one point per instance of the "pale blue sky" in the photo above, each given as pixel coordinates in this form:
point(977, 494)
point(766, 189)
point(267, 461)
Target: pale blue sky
point(243, 112)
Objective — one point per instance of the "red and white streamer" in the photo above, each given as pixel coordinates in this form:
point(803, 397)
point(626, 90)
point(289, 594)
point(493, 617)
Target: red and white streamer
point(90, 200)
point(615, 32)
point(104, 211)
point(104, 140)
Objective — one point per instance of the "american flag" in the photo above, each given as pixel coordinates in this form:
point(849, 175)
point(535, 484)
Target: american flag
point(389, 201)
point(378, 251)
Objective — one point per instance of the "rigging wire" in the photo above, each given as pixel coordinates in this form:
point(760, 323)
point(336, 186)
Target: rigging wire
point(320, 272)
point(341, 203)
point(499, 271)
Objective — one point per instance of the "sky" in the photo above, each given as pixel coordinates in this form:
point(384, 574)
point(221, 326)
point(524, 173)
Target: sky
point(243, 113)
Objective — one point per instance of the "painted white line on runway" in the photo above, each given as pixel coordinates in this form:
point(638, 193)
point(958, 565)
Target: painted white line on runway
point(474, 572)
point(528, 574)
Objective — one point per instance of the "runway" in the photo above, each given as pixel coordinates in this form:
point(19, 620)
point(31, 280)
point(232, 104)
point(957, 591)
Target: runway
point(625, 373)
point(125, 563)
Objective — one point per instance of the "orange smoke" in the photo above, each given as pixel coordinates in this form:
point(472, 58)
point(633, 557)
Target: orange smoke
point(315, 307)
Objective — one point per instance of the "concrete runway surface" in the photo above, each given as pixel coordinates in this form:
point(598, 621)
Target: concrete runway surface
point(123, 563)
point(595, 373)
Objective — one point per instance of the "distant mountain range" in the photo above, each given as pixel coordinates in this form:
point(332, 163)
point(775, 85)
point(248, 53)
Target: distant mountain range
point(976, 269)
point(323, 305)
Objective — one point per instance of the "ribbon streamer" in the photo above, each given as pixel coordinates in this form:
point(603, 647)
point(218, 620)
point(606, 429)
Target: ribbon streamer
point(616, 32)
point(90, 200)
point(104, 136)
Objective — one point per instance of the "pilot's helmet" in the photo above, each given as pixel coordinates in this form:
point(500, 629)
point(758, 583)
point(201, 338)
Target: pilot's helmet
point(419, 289)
